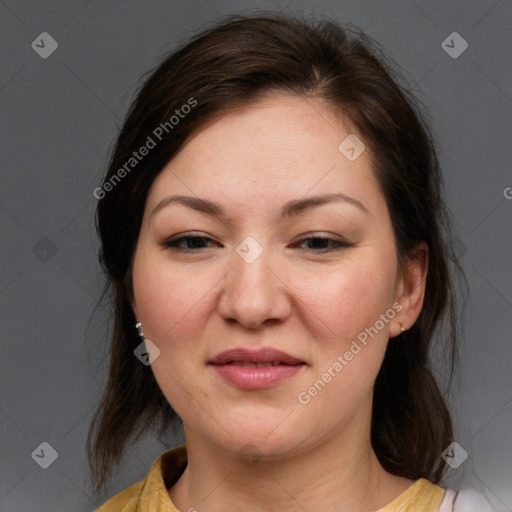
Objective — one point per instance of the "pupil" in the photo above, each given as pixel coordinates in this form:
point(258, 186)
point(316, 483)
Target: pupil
point(320, 243)
point(196, 241)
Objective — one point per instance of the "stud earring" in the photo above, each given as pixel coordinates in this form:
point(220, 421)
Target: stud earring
point(403, 330)
point(138, 326)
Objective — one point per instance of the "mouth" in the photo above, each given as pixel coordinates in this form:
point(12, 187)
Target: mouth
point(246, 369)
point(249, 364)
point(247, 358)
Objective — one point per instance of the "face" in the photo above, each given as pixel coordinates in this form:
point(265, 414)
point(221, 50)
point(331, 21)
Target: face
point(269, 267)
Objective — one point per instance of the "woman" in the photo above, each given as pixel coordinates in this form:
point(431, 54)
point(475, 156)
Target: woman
point(272, 228)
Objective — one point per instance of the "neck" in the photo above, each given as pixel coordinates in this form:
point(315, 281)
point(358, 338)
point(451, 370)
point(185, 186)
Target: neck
point(341, 474)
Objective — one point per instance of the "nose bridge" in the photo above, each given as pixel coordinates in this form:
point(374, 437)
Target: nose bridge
point(252, 294)
point(250, 264)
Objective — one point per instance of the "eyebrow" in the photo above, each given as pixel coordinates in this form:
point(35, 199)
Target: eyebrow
point(291, 208)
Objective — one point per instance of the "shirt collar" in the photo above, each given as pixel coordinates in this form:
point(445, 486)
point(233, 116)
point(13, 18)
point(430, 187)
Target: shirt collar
point(164, 473)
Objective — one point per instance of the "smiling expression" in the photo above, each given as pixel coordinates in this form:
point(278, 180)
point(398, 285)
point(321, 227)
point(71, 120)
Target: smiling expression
point(260, 234)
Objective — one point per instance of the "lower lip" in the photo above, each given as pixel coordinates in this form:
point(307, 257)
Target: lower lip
point(256, 378)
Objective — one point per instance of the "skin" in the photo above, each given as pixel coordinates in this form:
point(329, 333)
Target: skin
point(307, 302)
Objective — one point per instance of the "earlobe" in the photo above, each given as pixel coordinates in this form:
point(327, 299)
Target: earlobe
point(411, 290)
point(134, 309)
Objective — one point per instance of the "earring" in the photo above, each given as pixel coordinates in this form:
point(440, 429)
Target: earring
point(138, 326)
point(403, 330)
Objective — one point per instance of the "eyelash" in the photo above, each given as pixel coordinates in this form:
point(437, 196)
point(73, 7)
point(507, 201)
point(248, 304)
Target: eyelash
point(173, 244)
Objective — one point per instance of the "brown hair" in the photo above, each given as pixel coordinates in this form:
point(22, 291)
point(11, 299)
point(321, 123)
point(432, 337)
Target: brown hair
point(229, 65)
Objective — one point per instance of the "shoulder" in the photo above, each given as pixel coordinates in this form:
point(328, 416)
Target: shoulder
point(465, 500)
point(151, 493)
point(125, 501)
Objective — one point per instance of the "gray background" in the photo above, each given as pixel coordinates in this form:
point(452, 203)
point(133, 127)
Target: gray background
point(58, 117)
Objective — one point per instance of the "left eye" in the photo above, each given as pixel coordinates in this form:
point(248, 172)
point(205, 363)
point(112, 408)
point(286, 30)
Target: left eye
point(320, 243)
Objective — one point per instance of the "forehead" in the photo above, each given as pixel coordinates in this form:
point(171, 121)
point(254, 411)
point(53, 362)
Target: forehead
point(279, 148)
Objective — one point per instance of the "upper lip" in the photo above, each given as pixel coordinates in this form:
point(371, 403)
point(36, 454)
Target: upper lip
point(263, 355)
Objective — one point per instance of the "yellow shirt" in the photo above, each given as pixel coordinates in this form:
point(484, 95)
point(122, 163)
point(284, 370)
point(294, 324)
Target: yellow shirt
point(151, 495)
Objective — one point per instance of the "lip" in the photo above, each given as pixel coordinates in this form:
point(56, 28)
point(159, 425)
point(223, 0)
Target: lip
point(228, 365)
point(263, 355)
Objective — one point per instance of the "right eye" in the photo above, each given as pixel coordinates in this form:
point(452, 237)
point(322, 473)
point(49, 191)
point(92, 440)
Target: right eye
point(187, 243)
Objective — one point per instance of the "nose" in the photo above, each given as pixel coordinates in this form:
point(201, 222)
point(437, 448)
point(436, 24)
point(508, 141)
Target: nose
point(254, 292)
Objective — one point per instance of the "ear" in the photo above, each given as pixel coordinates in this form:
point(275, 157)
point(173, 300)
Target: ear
point(130, 285)
point(410, 289)
point(135, 310)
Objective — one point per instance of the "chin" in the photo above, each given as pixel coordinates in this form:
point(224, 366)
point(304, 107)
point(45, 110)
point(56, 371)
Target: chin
point(254, 443)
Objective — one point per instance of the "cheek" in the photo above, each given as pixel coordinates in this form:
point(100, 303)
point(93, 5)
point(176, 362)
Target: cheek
point(347, 299)
point(348, 361)
point(169, 300)
point(172, 305)
point(349, 302)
